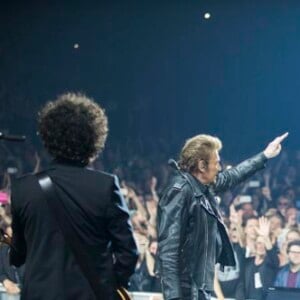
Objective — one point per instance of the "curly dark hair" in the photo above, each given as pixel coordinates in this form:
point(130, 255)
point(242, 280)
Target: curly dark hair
point(73, 128)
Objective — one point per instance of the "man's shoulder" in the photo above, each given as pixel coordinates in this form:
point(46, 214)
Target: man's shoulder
point(284, 269)
point(178, 182)
point(81, 173)
point(23, 179)
point(107, 182)
point(177, 193)
point(21, 187)
point(101, 174)
point(105, 178)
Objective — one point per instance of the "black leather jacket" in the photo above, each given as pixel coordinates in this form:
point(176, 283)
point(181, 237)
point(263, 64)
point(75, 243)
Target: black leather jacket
point(191, 231)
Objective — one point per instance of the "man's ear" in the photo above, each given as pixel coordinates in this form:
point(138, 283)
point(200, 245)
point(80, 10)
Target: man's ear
point(202, 166)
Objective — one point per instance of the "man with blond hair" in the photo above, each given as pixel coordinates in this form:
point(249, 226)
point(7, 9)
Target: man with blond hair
point(191, 234)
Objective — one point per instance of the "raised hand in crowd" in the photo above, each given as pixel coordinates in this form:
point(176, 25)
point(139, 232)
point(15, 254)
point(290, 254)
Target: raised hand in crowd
point(11, 287)
point(153, 184)
point(6, 182)
point(5, 237)
point(156, 297)
point(132, 196)
point(263, 230)
point(236, 220)
point(290, 218)
point(266, 190)
point(217, 287)
point(140, 223)
point(152, 202)
point(267, 177)
point(5, 218)
point(234, 216)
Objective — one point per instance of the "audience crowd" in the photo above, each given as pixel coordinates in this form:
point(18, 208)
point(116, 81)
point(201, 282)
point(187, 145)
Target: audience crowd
point(262, 216)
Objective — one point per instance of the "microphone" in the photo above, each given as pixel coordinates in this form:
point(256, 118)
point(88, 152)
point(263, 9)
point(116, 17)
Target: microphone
point(12, 138)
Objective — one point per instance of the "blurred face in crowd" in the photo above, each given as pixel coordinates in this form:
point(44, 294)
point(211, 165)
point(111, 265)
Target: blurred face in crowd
point(275, 223)
point(292, 236)
point(248, 209)
point(233, 234)
point(290, 193)
point(291, 173)
point(282, 204)
point(256, 199)
point(291, 216)
point(250, 228)
point(294, 255)
point(260, 247)
point(208, 170)
point(227, 198)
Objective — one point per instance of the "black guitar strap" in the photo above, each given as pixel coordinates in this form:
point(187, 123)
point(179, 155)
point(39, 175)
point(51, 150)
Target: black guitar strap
point(61, 215)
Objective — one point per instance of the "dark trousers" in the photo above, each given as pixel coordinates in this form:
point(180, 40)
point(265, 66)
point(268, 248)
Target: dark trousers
point(202, 295)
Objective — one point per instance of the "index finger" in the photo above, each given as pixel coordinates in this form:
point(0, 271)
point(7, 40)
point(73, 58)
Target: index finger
point(279, 139)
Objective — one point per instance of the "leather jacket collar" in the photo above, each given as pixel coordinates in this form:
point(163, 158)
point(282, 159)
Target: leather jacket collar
point(199, 188)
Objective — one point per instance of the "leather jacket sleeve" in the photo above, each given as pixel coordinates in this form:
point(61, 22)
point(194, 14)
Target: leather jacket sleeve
point(171, 219)
point(229, 178)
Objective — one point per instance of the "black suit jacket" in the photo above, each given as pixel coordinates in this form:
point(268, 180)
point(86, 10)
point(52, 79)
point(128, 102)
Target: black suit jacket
point(101, 219)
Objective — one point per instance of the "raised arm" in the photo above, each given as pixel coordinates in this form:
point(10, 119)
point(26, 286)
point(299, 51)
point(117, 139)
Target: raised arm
point(229, 178)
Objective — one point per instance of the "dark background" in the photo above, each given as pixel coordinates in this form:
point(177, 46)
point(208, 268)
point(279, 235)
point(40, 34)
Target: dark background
point(159, 68)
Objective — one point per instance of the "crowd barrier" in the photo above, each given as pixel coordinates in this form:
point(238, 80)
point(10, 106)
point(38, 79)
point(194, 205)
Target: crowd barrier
point(134, 295)
point(4, 296)
point(274, 294)
point(146, 296)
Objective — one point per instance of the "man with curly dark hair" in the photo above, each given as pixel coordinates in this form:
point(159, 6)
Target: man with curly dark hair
point(73, 129)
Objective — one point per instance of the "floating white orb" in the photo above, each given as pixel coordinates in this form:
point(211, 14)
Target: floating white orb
point(207, 16)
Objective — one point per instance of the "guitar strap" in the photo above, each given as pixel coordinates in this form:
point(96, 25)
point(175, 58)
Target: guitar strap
point(59, 212)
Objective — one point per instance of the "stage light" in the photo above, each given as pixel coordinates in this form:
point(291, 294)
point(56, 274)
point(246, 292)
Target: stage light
point(207, 16)
point(76, 46)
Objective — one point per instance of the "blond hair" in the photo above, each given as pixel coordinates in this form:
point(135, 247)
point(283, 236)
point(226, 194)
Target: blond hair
point(199, 147)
